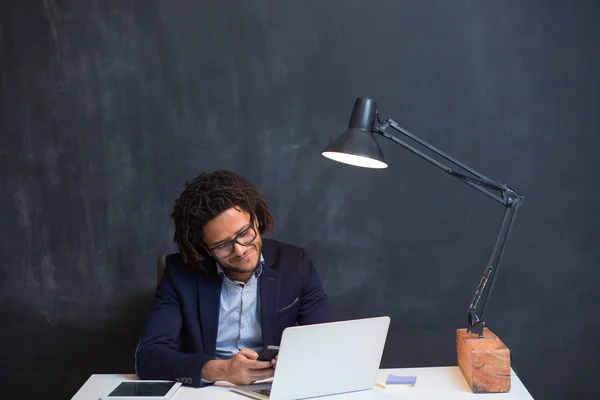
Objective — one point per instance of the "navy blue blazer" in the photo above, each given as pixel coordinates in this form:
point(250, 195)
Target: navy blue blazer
point(180, 335)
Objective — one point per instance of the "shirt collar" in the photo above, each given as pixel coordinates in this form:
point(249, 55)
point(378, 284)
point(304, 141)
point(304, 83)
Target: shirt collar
point(257, 271)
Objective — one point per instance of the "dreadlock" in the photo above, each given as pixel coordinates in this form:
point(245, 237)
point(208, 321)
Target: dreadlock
point(204, 198)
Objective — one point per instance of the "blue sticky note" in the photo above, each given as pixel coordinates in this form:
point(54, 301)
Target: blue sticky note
point(400, 380)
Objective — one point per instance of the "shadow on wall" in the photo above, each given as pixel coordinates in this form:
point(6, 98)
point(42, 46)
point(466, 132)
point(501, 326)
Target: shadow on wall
point(40, 361)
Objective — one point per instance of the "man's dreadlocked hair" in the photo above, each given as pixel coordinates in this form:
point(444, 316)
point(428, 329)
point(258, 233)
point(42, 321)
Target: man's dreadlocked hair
point(203, 199)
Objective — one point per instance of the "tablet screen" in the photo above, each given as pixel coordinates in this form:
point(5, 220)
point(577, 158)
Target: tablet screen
point(142, 389)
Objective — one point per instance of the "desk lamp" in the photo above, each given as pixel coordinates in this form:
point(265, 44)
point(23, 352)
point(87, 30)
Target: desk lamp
point(482, 357)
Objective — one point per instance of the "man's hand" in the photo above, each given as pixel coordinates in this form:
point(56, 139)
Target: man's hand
point(244, 369)
point(241, 369)
point(274, 361)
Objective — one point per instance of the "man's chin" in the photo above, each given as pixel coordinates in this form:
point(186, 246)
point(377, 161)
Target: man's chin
point(248, 265)
point(244, 266)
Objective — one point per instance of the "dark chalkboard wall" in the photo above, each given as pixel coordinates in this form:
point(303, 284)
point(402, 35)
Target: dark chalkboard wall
point(107, 108)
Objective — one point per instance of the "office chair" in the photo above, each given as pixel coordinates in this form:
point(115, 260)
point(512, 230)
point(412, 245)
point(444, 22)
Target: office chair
point(160, 267)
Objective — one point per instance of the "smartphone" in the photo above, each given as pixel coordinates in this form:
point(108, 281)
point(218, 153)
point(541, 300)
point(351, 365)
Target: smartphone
point(268, 353)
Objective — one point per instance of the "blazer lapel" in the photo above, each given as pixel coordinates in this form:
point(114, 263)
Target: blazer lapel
point(269, 293)
point(209, 293)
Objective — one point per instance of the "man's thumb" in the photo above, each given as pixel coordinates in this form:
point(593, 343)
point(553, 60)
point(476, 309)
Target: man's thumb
point(249, 354)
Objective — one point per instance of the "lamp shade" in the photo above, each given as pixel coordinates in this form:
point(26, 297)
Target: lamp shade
point(358, 146)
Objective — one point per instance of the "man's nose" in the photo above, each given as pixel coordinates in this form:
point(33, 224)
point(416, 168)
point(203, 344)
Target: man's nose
point(238, 249)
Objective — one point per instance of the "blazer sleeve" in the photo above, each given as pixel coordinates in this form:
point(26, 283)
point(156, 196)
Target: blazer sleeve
point(157, 355)
point(314, 303)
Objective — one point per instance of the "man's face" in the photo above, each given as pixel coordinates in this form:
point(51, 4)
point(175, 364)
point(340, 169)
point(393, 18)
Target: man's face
point(228, 225)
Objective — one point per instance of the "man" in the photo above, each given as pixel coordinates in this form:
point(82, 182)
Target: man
point(228, 292)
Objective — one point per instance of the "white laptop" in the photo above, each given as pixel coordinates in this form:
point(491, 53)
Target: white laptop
point(325, 359)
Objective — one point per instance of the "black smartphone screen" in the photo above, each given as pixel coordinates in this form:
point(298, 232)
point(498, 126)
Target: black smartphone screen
point(142, 389)
point(268, 353)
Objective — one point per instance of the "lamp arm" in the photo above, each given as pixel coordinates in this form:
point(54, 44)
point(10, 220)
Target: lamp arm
point(477, 181)
point(484, 289)
point(509, 198)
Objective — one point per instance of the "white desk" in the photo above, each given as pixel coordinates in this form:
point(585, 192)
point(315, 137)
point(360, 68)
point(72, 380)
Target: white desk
point(432, 383)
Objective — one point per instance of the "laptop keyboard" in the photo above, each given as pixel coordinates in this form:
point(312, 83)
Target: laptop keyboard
point(264, 392)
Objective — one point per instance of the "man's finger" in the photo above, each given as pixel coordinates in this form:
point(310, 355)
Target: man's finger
point(261, 365)
point(262, 374)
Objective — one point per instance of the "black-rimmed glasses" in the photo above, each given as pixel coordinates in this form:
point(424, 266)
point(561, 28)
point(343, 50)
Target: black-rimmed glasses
point(244, 238)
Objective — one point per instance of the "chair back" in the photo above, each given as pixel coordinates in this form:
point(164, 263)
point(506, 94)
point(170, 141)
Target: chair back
point(160, 267)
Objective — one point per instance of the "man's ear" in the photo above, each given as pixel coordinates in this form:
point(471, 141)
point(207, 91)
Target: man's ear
point(258, 222)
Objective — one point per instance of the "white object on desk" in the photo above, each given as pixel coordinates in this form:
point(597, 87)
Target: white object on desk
point(445, 383)
point(308, 354)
